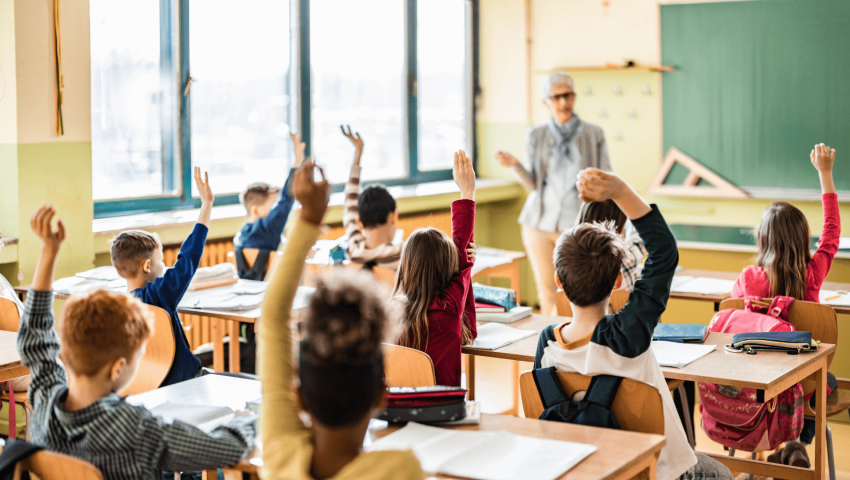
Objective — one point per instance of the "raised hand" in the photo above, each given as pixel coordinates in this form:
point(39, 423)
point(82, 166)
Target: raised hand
point(823, 158)
point(356, 140)
point(595, 185)
point(464, 175)
point(299, 147)
point(203, 184)
point(40, 224)
point(506, 159)
point(471, 252)
point(312, 195)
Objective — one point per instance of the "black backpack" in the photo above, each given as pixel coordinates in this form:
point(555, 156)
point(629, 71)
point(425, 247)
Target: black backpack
point(594, 410)
point(15, 451)
point(256, 272)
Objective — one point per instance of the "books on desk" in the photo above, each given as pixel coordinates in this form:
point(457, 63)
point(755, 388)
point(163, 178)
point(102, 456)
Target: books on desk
point(485, 455)
point(701, 285)
point(493, 336)
point(686, 332)
point(677, 355)
point(510, 316)
point(482, 307)
point(205, 417)
point(80, 285)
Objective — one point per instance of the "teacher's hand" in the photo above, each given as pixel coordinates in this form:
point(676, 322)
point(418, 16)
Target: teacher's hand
point(506, 159)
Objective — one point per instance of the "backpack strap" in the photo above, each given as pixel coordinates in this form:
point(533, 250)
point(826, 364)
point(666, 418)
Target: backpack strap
point(779, 307)
point(549, 387)
point(602, 390)
point(258, 271)
point(14, 452)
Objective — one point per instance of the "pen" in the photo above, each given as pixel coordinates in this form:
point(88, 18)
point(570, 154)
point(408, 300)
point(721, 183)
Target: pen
point(834, 297)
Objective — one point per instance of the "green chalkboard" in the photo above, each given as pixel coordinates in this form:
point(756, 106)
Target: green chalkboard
point(756, 85)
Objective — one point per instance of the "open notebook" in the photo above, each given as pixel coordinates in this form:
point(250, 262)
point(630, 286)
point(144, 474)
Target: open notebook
point(485, 455)
point(677, 355)
point(701, 285)
point(492, 336)
point(205, 417)
point(832, 297)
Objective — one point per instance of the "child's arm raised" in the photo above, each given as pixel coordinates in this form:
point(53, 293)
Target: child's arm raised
point(357, 141)
point(629, 332)
point(271, 226)
point(207, 197)
point(350, 214)
point(463, 233)
point(280, 415)
point(823, 158)
point(38, 342)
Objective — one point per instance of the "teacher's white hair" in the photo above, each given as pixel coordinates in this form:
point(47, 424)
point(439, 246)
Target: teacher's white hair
point(552, 80)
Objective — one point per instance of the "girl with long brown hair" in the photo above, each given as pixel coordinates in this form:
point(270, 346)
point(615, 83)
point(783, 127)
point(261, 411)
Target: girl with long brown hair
point(784, 265)
point(434, 281)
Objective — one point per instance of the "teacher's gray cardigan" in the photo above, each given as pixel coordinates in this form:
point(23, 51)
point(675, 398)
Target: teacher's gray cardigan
point(539, 143)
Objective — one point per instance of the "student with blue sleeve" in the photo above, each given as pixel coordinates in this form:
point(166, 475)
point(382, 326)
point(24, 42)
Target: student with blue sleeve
point(267, 216)
point(137, 255)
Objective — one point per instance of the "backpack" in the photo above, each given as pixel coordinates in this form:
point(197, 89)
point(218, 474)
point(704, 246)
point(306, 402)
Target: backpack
point(258, 270)
point(15, 451)
point(757, 316)
point(594, 410)
point(730, 415)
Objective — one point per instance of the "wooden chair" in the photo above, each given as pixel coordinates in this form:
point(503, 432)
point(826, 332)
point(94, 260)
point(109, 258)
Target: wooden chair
point(408, 367)
point(382, 274)
point(56, 466)
point(637, 406)
point(618, 300)
point(10, 319)
point(251, 254)
point(158, 357)
point(821, 320)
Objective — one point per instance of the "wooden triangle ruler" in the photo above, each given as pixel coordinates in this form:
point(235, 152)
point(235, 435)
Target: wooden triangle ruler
point(718, 187)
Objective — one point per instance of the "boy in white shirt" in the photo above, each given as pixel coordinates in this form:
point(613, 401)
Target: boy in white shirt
point(588, 259)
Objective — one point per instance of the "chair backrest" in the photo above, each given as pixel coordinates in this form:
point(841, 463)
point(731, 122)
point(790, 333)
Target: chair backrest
point(618, 300)
point(408, 367)
point(10, 319)
point(250, 255)
point(637, 406)
point(56, 466)
point(158, 357)
point(812, 317)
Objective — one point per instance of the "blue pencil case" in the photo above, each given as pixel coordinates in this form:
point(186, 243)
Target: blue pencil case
point(504, 297)
point(790, 342)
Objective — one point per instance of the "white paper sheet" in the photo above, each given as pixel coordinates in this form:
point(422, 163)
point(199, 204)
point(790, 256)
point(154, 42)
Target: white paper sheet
point(100, 273)
point(677, 355)
point(492, 336)
point(843, 299)
point(483, 262)
point(204, 417)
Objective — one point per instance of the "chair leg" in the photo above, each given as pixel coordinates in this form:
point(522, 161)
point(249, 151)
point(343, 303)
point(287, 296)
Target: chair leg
point(689, 426)
point(830, 453)
point(731, 452)
point(753, 456)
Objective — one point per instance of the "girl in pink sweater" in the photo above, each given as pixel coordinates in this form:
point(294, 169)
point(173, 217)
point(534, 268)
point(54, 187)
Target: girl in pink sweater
point(784, 265)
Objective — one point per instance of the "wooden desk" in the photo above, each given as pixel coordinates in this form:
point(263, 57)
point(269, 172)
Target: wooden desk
point(714, 298)
point(620, 455)
point(770, 373)
point(209, 390)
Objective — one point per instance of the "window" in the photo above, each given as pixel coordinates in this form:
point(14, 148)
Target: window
point(220, 85)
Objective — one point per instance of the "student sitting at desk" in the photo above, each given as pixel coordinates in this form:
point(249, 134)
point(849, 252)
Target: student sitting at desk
point(784, 265)
point(267, 215)
point(103, 337)
point(588, 260)
point(137, 256)
point(434, 282)
point(341, 365)
point(608, 211)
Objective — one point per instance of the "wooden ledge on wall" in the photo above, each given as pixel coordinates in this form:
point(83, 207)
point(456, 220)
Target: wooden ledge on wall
point(717, 188)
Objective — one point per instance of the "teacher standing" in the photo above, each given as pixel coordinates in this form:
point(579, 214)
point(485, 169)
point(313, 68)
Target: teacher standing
point(555, 152)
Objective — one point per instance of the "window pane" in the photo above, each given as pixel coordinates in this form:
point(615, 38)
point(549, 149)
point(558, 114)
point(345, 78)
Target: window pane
point(357, 61)
point(126, 100)
point(239, 61)
point(443, 82)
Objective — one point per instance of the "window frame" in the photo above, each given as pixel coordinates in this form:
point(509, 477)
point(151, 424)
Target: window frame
point(177, 128)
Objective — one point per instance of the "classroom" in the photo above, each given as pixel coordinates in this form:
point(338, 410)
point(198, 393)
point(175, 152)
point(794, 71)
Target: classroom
point(392, 239)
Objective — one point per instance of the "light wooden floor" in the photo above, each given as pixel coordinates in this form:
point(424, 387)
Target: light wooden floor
point(494, 382)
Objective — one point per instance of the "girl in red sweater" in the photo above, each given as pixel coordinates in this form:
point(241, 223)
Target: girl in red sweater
point(435, 281)
point(784, 265)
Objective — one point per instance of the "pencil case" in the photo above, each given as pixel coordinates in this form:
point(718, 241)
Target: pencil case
point(504, 297)
point(450, 412)
point(790, 342)
point(424, 396)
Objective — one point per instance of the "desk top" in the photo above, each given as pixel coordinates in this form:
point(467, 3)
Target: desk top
point(9, 356)
point(767, 371)
point(618, 451)
point(212, 390)
point(714, 298)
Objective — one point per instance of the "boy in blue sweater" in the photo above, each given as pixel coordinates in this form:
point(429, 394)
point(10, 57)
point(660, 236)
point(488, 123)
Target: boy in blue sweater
point(137, 255)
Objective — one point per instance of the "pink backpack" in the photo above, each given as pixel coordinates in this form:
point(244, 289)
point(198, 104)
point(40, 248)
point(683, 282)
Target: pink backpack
point(730, 415)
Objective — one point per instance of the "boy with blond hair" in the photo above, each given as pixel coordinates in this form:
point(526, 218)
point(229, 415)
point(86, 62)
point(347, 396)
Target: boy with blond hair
point(137, 256)
point(77, 409)
point(588, 261)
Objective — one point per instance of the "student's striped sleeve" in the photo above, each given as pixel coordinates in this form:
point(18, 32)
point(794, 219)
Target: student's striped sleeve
point(38, 345)
point(350, 215)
